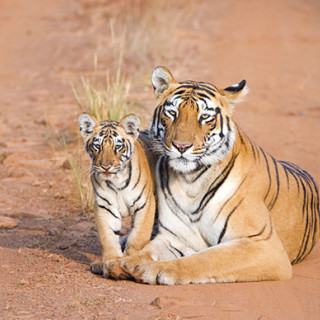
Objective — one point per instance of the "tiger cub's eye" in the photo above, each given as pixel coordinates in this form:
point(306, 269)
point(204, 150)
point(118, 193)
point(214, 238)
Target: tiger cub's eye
point(118, 147)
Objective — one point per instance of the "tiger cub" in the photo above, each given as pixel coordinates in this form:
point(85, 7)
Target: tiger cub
point(122, 182)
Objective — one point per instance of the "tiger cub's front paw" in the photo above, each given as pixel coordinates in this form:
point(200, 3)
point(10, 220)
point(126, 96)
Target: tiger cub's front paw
point(96, 267)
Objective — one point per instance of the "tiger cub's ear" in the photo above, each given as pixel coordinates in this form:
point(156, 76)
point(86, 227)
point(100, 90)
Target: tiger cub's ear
point(130, 123)
point(87, 124)
point(161, 79)
point(235, 92)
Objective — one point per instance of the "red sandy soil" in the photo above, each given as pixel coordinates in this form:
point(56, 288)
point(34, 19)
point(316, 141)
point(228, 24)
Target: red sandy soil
point(44, 260)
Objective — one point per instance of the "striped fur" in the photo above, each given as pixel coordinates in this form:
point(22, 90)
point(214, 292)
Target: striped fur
point(122, 184)
point(228, 211)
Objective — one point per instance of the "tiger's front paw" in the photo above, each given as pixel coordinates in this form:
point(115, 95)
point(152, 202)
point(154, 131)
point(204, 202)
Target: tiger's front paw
point(153, 272)
point(129, 263)
point(112, 269)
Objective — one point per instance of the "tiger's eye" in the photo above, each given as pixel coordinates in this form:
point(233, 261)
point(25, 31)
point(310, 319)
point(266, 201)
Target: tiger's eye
point(204, 117)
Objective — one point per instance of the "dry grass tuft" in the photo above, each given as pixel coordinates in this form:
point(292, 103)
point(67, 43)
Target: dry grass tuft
point(137, 40)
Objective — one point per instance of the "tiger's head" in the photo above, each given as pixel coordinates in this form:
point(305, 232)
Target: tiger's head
point(193, 120)
point(110, 144)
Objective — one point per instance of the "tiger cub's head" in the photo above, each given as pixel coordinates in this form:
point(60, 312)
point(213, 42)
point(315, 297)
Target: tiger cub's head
point(193, 120)
point(110, 144)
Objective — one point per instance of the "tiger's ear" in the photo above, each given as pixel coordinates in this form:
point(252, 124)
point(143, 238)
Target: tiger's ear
point(87, 125)
point(235, 92)
point(161, 79)
point(130, 123)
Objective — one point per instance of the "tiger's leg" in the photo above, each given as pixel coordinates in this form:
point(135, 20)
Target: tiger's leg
point(138, 237)
point(158, 249)
point(239, 260)
point(143, 220)
point(109, 242)
point(256, 256)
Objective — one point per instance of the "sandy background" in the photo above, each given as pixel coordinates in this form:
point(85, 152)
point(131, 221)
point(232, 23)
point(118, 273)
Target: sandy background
point(46, 46)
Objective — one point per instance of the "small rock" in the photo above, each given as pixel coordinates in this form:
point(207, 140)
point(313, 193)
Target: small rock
point(24, 282)
point(3, 157)
point(66, 165)
point(84, 226)
point(7, 223)
point(168, 316)
point(162, 302)
point(52, 232)
point(31, 215)
point(63, 246)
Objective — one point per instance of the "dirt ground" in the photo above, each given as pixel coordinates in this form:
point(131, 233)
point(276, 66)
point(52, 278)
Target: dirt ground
point(46, 241)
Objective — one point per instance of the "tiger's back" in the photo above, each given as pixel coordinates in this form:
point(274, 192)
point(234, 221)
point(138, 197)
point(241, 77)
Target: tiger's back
point(289, 193)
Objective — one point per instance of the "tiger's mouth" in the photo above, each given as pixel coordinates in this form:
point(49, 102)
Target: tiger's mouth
point(111, 171)
point(107, 170)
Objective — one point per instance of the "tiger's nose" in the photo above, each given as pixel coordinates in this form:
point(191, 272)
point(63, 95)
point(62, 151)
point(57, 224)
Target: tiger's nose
point(182, 147)
point(106, 166)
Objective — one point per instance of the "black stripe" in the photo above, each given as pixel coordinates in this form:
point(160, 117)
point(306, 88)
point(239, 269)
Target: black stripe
point(93, 177)
point(170, 250)
point(221, 126)
point(201, 173)
point(160, 108)
point(226, 222)
point(154, 117)
point(271, 205)
point(310, 208)
point(287, 176)
point(165, 228)
point(101, 197)
point(180, 252)
point(202, 87)
point(204, 96)
point(139, 196)
point(259, 233)
point(308, 224)
point(179, 92)
point(103, 207)
point(164, 185)
point(138, 180)
point(292, 173)
point(271, 230)
point(231, 197)
point(129, 177)
point(269, 174)
point(202, 170)
point(243, 142)
point(216, 184)
point(139, 208)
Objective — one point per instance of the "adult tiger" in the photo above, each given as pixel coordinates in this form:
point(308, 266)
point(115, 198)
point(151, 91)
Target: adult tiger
point(228, 211)
point(123, 184)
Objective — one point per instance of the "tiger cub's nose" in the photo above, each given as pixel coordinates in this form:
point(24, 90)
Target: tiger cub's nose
point(181, 147)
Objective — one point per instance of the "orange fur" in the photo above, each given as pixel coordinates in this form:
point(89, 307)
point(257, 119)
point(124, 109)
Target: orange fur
point(227, 210)
point(122, 183)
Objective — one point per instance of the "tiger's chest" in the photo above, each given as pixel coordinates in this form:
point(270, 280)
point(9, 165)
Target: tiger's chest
point(193, 204)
